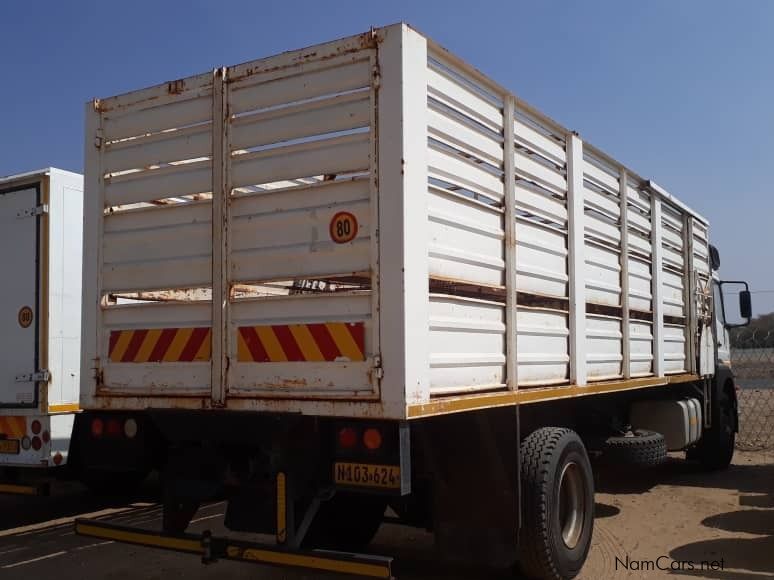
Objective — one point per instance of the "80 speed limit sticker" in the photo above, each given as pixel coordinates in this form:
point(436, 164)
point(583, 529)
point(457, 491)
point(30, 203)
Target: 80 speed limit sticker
point(343, 227)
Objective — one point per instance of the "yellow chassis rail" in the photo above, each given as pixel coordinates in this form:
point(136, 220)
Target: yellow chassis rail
point(211, 549)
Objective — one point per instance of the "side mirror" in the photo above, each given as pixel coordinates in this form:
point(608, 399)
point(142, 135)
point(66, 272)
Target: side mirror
point(745, 304)
point(743, 316)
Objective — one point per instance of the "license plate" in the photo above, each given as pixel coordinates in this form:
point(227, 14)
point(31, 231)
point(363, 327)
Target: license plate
point(10, 446)
point(366, 475)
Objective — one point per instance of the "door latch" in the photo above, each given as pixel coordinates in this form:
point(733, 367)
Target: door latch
point(42, 376)
point(32, 212)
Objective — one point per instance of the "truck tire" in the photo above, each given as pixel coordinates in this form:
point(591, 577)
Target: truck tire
point(715, 449)
point(639, 448)
point(557, 494)
point(348, 522)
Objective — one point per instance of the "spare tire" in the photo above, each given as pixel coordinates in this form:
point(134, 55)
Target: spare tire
point(639, 447)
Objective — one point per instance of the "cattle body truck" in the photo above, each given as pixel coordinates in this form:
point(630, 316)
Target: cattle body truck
point(465, 298)
point(40, 300)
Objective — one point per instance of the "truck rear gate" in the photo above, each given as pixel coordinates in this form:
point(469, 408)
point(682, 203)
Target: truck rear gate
point(396, 234)
point(40, 306)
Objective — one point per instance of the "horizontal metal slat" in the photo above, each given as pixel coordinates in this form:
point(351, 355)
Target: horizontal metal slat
point(459, 135)
point(142, 152)
point(347, 154)
point(340, 113)
point(173, 115)
point(456, 96)
point(161, 183)
point(309, 81)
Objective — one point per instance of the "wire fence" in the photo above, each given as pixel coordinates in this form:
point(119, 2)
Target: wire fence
point(752, 358)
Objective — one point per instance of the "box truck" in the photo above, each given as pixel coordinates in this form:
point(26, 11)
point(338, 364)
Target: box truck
point(468, 298)
point(40, 300)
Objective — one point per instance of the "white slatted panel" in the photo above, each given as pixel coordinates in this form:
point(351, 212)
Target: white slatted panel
point(154, 248)
point(293, 126)
point(467, 344)
point(541, 249)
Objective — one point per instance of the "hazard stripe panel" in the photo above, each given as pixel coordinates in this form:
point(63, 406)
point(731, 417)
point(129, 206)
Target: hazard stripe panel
point(160, 345)
point(323, 342)
point(13, 427)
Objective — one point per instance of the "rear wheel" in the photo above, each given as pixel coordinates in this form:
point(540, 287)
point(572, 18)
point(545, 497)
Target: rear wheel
point(557, 504)
point(348, 522)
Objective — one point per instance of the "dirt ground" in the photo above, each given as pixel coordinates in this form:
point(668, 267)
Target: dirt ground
point(676, 518)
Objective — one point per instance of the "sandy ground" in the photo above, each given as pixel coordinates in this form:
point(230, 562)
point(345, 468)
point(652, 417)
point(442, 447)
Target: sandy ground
point(671, 517)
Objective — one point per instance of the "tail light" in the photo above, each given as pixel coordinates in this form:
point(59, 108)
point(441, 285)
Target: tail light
point(35, 427)
point(347, 438)
point(97, 427)
point(26, 443)
point(36, 443)
point(372, 439)
point(113, 428)
point(46, 436)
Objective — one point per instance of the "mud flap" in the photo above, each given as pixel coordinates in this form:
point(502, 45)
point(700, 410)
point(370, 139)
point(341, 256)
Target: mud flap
point(474, 459)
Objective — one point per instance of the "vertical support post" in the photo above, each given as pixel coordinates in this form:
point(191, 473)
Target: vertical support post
point(689, 296)
point(220, 218)
point(93, 215)
point(657, 290)
point(509, 175)
point(577, 260)
point(403, 222)
point(626, 345)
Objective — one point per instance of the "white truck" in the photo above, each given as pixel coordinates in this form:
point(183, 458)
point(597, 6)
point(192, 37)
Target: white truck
point(466, 297)
point(40, 304)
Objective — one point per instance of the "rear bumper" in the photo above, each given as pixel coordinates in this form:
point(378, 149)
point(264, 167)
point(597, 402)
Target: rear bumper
point(211, 549)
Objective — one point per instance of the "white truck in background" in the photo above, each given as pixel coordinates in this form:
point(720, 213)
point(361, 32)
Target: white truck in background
point(472, 296)
point(41, 226)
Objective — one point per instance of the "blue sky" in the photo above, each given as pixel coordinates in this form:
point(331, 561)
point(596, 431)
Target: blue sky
point(681, 91)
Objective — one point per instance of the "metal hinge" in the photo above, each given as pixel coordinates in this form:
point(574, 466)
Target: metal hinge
point(32, 212)
point(42, 376)
point(378, 370)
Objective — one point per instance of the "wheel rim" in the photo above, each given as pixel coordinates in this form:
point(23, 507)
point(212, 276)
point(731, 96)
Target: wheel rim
point(572, 504)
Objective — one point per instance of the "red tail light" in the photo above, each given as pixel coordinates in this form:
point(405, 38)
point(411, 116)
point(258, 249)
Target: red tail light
point(36, 443)
point(347, 438)
point(113, 428)
point(46, 436)
point(35, 427)
point(97, 427)
point(372, 439)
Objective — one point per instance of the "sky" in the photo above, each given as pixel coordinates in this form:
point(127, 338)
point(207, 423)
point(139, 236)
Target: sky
point(681, 91)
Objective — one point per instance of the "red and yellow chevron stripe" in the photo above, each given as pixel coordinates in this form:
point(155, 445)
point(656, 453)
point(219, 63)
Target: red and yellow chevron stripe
point(160, 345)
point(13, 427)
point(329, 341)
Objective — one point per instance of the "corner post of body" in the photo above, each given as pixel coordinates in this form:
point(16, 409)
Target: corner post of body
point(403, 218)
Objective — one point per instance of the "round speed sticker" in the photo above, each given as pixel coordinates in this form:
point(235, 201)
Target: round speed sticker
point(25, 316)
point(343, 227)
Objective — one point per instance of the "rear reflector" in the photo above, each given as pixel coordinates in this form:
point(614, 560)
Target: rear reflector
point(130, 428)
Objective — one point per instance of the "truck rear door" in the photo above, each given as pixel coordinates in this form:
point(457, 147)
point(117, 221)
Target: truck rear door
point(19, 226)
